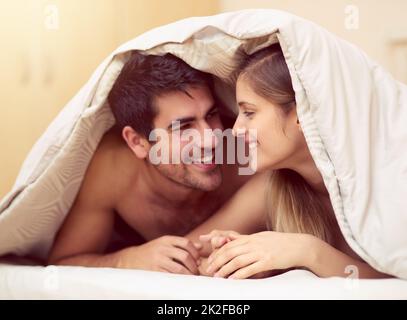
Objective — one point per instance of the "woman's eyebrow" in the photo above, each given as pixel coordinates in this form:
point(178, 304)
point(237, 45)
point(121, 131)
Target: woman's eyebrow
point(244, 103)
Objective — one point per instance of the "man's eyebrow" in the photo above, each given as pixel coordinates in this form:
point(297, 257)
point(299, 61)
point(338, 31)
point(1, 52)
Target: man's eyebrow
point(181, 121)
point(191, 119)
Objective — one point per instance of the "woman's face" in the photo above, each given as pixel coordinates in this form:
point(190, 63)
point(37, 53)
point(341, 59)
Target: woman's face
point(280, 142)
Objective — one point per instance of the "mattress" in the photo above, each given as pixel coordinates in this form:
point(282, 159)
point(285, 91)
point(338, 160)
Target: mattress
point(52, 282)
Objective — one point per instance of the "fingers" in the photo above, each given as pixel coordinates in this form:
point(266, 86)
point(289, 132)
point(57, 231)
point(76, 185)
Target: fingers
point(187, 245)
point(186, 252)
point(218, 241)
point(214, 233)
point(174, 267)
point(202, 268)
point(247, 271)
point(264, 274)
point(205, 237)
point(222, 251)
point(215, 242)
point(219, 238)
point(234, 235)
point(185, 258)
point(235, 264)
point(198, 246)
point(222, 257)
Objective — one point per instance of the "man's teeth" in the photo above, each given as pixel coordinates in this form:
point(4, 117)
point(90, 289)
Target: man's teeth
point(207, 159)
point(253, 144)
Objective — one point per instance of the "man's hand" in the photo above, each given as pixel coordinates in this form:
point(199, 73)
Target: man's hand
point(213, 241)
point(166, 254)
point(218, 238)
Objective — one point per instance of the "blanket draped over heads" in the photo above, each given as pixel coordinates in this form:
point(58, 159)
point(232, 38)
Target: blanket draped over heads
point(352, 112)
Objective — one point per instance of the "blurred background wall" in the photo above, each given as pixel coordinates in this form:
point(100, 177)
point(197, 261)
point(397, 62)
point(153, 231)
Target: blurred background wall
point(50, 48)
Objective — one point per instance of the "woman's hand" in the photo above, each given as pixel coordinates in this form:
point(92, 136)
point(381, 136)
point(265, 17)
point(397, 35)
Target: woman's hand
point(217, 238)
point(248, 255)
point(212, 242)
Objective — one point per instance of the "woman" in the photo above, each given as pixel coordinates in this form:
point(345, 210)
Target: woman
point(287, 196)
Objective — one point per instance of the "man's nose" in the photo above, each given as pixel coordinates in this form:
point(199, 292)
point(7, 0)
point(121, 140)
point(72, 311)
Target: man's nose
point(208, 138)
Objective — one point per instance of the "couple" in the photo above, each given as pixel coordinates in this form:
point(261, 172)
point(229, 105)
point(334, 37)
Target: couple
point(204, 218)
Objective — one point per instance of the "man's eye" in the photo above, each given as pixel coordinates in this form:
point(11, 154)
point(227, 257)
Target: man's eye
point(185, 126)
point(212, 114)
point(248, 114)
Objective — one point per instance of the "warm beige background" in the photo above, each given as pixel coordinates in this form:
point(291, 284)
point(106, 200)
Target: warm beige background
point(46, 57)
point(43, 63)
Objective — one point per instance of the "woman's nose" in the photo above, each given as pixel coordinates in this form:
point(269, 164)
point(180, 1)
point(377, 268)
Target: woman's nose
point(238, 128)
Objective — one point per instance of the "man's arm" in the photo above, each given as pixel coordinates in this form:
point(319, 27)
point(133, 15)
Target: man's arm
point(87, 229)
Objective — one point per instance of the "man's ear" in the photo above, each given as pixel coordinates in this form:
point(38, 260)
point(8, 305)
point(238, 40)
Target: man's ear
point(136, 142)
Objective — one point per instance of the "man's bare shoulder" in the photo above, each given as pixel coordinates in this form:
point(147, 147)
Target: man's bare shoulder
point(110, 143)
point(108, 169)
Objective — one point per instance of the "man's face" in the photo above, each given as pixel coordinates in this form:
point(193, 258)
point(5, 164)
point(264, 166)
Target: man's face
point(177, 113)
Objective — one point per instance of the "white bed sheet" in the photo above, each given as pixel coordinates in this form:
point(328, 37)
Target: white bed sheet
point(37, 282)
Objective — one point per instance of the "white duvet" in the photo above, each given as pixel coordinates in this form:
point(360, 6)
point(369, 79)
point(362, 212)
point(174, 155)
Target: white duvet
point(352, 112)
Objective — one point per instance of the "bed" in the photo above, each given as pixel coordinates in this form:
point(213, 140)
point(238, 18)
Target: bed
point(336, 85)
point(18, 281)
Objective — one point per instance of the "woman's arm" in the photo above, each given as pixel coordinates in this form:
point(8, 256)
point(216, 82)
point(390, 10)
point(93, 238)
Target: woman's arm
point(248, 255)
point(327, 261)
point(245, 212)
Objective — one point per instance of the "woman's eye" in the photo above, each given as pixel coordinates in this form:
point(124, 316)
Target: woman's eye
point(248, 114)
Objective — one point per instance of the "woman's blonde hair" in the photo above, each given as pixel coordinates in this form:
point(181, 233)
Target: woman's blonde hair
point(292, 205)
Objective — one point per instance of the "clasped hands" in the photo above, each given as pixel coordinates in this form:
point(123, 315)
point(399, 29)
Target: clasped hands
point(258, 255)
point(225, 254)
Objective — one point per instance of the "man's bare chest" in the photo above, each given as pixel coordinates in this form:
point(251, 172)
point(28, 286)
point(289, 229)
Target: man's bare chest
point(152, 219)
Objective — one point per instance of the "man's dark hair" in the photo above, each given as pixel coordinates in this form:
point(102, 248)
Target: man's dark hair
point(141, 80)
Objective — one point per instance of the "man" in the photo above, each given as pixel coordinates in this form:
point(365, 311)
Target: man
point(129, 212)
